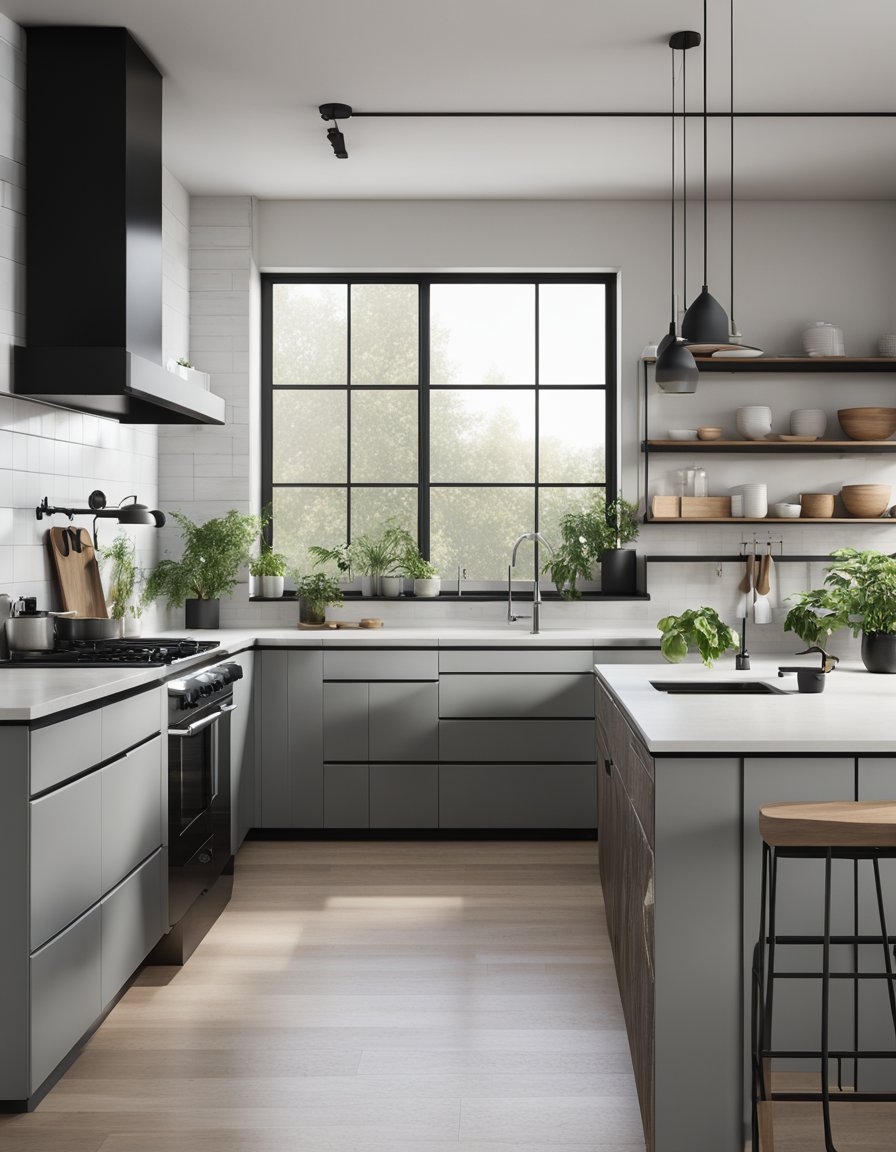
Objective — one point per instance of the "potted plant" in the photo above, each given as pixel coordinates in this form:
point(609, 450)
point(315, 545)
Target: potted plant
point(427, 582)
point(592, 536)
point(270, 568)
point(860, 594)
point(619, 565)
point(208, 568)
point(700, 628)
point(316, 592)
point(122, 576)
point(342, 556)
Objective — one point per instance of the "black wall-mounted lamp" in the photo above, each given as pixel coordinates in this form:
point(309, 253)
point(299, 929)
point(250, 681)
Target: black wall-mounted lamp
point(125, 513)
point(336, 112)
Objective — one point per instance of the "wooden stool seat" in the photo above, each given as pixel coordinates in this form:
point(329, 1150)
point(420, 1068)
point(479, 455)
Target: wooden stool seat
point(833, 824)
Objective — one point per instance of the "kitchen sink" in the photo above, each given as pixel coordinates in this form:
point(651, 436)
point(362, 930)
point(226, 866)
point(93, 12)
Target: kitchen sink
point(717, 688)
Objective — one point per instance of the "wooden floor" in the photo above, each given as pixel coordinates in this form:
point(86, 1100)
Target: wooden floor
point(382, 998)
point(369, 997)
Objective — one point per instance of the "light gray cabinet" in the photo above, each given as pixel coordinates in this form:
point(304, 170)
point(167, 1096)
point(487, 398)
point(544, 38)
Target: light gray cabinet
point(346, 798)
point(242, 752)
point(82, 898)
point(404, 721)
point(290, 778)
point(404, 795)
point(346, 719)
point(516, 795)
point(539, 741)
point(532, 695)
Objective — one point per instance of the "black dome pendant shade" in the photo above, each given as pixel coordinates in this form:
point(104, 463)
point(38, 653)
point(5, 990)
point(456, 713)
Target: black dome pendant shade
point(706, 321)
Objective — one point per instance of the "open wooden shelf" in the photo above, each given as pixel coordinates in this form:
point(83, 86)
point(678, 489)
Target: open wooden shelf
point(775, 446)
point(794, 364)
point(802, 521)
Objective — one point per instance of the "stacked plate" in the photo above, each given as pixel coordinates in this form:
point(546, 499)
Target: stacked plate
point(754, 422)
point(755, 500)
point(808, 422)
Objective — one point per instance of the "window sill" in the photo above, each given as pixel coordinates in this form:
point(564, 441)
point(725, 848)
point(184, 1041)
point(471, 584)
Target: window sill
point(453, 598)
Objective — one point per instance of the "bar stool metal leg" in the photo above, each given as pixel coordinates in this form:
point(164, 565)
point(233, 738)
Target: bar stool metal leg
point(825, 1008)
point(891, 989)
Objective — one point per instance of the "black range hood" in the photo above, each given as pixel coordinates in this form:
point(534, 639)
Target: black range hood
point(93, 232)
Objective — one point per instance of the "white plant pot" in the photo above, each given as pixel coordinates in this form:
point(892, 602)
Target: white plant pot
point(272, 586)
point(428, 588)
point(390, 586)
point(368, 585)
point(131, 626)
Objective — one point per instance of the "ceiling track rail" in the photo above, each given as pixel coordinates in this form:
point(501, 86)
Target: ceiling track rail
point(637, 115)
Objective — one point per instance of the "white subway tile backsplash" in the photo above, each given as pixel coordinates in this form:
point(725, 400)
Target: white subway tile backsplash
point(221, 211)
point(213, 237)
point(7, 527)
point(219, 304)
point(208, 258)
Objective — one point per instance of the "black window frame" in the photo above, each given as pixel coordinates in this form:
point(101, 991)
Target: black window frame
point(424, 280)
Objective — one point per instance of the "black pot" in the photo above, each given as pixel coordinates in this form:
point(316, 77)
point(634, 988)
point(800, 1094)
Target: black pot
point(619, 572)
point(810, 680)
point(202, 613)
point(879, 651)
point(71, 628)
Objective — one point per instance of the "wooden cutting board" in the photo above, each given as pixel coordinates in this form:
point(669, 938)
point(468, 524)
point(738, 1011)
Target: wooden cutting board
point(77, 572)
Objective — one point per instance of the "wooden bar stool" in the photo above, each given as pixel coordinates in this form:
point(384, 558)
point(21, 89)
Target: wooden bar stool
point(847, 830)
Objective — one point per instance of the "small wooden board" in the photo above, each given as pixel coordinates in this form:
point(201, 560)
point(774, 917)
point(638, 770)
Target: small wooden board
point(333, 625)
point(705, 507)
point(77, 572)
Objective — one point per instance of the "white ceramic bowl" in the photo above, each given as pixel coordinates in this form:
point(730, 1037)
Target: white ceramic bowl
point(786, 511)
point(754, 422)
point(682, 433)
point(808, 422)
point(886, 346)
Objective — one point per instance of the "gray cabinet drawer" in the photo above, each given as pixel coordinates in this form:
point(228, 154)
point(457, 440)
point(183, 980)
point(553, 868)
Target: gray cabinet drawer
point(132, 810)
point(401, 664)
point(517, 740)
point(506, 695)
point(516, 660)
point(404, 796)
point(629, 655)
point(131, 919)
point(127, 722)
point(345, 721)
point(65, 993)
point(65, 749)
point(65, 856)
point(345, 796)
point(517, 796)
point(404, 721)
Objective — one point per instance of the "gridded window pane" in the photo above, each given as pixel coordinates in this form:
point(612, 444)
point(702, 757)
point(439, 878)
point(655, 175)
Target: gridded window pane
point(372, 507)
point(384, 437)
point(476, 528)
point(384, 334)
point(571, 434)
point(556, 502)
point(486, 436)
point(304, 516)
point(482, 334)
point(310, 334)
point(309, 437)
point(572, 334)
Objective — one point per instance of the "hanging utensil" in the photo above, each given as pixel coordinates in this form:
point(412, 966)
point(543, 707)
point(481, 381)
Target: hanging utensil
point(762, 609)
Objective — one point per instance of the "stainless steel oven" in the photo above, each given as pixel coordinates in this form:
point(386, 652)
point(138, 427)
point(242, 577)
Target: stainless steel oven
point(200, 860)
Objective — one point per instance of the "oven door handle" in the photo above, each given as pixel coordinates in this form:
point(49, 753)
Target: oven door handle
point(205, 722)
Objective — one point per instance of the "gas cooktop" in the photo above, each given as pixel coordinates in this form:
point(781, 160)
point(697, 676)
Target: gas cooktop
point(145, 650)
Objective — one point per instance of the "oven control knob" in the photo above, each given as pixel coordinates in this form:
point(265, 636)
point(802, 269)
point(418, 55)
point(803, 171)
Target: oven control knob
point(233, 672)
point(190, 698)
point(204, 857)
point(206, 689)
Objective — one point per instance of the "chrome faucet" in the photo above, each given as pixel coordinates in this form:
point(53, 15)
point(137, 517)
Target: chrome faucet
point(536, 538)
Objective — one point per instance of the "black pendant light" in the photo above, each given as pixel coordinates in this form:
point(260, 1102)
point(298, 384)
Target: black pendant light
point(705, 322)
point(676, 369)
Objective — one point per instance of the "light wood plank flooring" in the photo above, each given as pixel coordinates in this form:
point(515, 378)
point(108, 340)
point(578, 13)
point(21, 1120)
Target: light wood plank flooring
point(369, 997)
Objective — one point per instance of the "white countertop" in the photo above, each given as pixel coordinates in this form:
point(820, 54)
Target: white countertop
point(28, 694)
point(853, 715)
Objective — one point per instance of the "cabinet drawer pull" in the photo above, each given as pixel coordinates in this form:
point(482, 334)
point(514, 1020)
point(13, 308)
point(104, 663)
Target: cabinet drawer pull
point(608, 767)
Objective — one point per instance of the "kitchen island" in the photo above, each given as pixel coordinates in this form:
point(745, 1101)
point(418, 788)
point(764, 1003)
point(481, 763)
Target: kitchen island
point(680, 782)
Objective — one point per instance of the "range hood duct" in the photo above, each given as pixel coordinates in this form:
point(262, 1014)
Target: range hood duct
point(93, 290)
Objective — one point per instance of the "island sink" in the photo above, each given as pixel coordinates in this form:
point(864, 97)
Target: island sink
point(717, 688)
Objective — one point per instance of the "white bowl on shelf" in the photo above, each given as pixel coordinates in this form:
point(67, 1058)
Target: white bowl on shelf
point(808, 422)
point(682, 433)
point(785, 511)
point(754, 422)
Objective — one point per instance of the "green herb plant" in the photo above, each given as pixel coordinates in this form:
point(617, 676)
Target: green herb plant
point(587, 534)
point(184, 362)
point(123, 574)
point(209, 565)
point(701, 628)
point(859, 594)
point(317, 591)
point(268, 562)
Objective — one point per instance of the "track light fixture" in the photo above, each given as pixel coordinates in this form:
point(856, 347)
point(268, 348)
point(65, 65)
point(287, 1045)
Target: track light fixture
point(336, 112)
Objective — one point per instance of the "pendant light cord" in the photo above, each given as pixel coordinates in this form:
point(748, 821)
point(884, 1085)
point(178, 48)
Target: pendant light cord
point(731, 194)
point(674, 318)
point(684, 176)
point(705, 156)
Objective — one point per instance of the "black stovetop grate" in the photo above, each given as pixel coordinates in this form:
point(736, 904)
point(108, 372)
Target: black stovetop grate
point(131, 653)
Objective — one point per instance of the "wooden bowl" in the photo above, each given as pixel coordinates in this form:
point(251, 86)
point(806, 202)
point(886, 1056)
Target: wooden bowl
point(709, 433)
point(868, 423)
point(816, 505)
point(867, 500)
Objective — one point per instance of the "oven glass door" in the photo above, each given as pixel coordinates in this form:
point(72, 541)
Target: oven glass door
point(191, 776)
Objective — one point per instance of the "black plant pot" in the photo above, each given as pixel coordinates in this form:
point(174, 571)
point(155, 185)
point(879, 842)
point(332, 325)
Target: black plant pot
point(879, 651)
point(619, 572)
point(202, 613)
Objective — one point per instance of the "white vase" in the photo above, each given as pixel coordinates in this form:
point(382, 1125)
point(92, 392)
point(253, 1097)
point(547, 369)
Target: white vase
point(272, 587)
point(368, 585)
point(131, 626)
point(390, 586)
point(428, 588)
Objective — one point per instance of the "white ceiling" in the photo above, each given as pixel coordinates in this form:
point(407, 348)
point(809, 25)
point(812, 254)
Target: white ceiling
point(243, 81)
